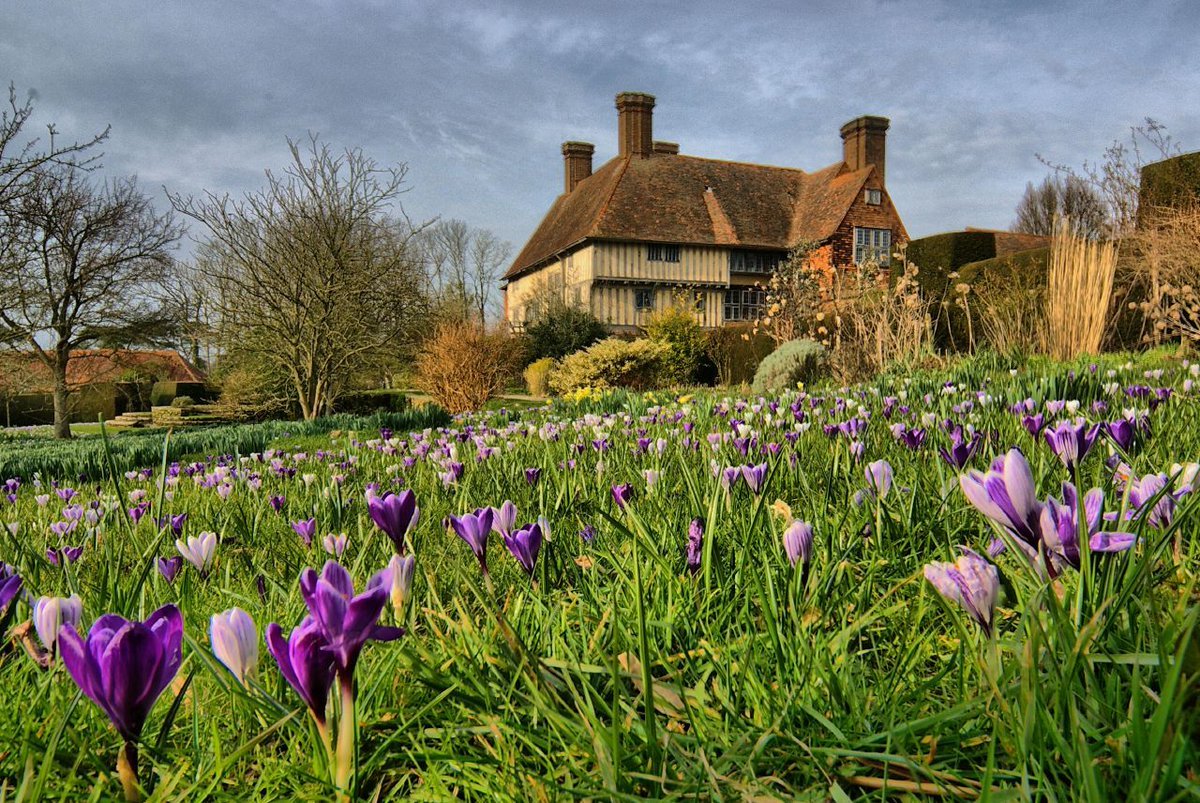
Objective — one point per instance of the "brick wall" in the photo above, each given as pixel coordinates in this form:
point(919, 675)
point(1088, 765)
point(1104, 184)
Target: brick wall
point(872, 216)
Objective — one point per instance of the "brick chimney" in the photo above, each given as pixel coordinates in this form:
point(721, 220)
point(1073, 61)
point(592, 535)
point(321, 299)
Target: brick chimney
point(577, 163)
point(864, 142)
point(635, 116)
point(662, 148)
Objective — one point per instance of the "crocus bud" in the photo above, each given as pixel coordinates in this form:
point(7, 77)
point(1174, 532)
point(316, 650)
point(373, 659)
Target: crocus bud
point(402, 569)
point(51, 613)
point(235, 642)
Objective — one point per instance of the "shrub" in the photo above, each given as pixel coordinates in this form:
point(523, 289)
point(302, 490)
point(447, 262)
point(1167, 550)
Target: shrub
point(365, 402)
point(682, 337)
point(560, 330)
point(161, 393)
point(737, 350)
point(794, 361)
point(611, 363)
point(537, 376)
point(182, 401)
point(462, 366)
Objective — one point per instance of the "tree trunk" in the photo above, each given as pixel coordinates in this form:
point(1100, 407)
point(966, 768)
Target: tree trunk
point(62, 399)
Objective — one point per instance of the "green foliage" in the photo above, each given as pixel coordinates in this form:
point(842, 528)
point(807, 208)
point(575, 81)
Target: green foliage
point(795, 361)
point(737, 350)
point(537, 376)
point(365, 402)
point(182, 401)
point(163, 392)
point(683, 341)
point(561, 330)
point(611, 363)
point(1170, 182)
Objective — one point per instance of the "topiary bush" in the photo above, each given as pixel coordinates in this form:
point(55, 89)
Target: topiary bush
point(611, 363)
point(537, 376)
point(795, 361)
point(183, 401)
point(678, 331)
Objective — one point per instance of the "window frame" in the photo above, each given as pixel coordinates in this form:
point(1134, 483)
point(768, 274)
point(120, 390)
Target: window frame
point(637, 299)
point(872, 196)
point(746, 304)
point(871, 243)
point(662, 252)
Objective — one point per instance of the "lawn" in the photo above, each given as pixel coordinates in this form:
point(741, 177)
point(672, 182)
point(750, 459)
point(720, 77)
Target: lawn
point(700, 596)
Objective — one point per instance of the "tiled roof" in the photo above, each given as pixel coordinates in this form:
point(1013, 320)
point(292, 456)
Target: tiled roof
point(97, 366)
point(687, 199)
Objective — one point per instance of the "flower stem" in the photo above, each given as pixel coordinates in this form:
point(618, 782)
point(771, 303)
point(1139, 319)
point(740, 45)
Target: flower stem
point(127, 771)
point(347, 728)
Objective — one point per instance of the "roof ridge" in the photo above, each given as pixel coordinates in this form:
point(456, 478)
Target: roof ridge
point(741, 163)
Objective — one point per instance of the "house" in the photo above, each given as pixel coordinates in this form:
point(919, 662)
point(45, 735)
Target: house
point(103, 382)
point(653, 224)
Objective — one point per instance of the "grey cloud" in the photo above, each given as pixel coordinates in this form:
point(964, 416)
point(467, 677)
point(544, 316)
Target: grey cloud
point(476, 97)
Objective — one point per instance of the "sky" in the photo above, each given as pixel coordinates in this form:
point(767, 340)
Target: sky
point(476, 98)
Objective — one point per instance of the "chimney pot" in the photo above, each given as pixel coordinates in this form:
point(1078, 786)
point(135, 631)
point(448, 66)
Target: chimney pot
point(577, 163)
point(864, 142)
point(635, 124)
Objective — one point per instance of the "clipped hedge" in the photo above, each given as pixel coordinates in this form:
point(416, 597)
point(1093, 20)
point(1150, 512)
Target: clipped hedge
point(366, 402)
point(941, 254)
point(1170, 182)
point(163, 393)
point(611, 363)
point(795, 361)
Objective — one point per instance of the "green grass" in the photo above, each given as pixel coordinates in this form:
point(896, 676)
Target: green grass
point(613, 674)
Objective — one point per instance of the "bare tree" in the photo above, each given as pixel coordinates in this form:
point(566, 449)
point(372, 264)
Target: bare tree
point(1117, 176)
point(1062, 197)
point(79, 266)
point(464, 265)
point(187, 299)
point(18, 161)
point(314, 281)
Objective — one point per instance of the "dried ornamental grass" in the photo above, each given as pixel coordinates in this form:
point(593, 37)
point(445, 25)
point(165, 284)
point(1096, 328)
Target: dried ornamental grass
point(1078, 292)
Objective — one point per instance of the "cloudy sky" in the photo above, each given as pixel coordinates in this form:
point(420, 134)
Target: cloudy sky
point(477, 98)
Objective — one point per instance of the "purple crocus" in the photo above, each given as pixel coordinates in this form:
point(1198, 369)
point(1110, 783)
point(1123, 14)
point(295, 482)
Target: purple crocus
point(306, 529)
point(962, 449)
point(395, 515)
point(335, 544)
point(695, 545)
point(524, 544)
point(971, 581)
point(879, 478)
point(10, 587)
point(1060, 528)
point(1072, 440)
point(755, 476)
point(123, 666)
point(277, 503)
point(797, 542)
point(169, 567)
point(622, 494)
point(504, 518)
point(1005, 494)
point(306, 663)
point(347, 621)
point(474, 528)
point(532, 475)
point(1143, 492)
